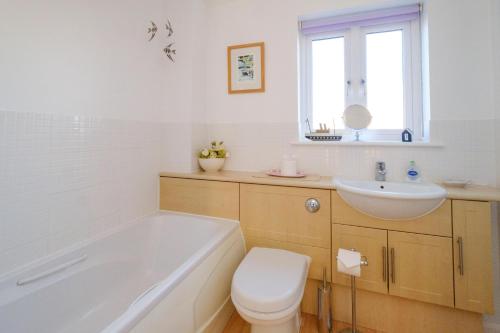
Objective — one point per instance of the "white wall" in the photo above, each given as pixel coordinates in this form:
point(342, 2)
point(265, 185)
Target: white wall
point(492, 323)
point(90, 112)
point(496, 84)
point(258, 127)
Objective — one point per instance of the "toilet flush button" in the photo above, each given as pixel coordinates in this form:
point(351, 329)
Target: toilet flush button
point(312, 205)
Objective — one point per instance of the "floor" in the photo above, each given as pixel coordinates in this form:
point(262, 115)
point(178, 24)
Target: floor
point(237, 325)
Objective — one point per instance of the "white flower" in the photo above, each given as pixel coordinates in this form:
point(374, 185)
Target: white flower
point(205, 152)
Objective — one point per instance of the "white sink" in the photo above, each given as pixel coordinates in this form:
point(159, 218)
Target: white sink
point(390, 200)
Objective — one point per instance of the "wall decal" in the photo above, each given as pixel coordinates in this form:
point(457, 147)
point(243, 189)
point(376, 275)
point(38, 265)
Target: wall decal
point(169, 28)
point(152, 31)
point(169, 51)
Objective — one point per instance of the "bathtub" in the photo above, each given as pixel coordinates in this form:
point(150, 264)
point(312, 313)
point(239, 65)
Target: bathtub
point(170, 272)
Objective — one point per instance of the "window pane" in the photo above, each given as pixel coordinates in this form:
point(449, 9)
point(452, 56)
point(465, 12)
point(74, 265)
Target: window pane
point(384, 71)
point(328, 81)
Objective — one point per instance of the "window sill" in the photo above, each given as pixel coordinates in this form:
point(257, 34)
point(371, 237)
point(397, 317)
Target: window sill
point(417, 144)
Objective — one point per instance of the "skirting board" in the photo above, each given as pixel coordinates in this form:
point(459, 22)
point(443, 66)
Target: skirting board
point(491, 327)
point(393, 314)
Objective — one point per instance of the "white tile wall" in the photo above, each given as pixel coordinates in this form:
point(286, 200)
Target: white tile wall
point(468, 152)
point(67, 178)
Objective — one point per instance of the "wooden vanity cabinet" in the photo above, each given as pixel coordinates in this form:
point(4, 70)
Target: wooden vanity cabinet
point(408, 265)
point(420, 267)
point(472, 256)
point(371, 243)
point(443, 258)
point(212, 198)
point(276, 216)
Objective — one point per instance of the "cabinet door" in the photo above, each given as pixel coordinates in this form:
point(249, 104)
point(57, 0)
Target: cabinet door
point(472, 253)
point(421, 267)
point(372, 243)
point(212, 198)
point(279, 213)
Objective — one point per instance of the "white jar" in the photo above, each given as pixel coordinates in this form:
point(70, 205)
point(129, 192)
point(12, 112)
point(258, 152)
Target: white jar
point(288, 166)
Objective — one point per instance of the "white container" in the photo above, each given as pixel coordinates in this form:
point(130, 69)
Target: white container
point(288, 166)
point(169, 263)
point(211, 164)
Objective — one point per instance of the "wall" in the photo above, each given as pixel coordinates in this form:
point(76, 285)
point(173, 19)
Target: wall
point(492, 323)
point(89, 110)
point(496, 82)
point(258, 128)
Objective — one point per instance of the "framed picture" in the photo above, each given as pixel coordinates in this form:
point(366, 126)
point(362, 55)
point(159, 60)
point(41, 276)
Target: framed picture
point(245, 67)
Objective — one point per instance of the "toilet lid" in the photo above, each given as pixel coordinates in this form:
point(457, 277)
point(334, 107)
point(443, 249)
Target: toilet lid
point(269, 280)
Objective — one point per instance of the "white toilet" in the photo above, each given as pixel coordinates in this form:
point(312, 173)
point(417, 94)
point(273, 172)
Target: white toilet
point(268, 287)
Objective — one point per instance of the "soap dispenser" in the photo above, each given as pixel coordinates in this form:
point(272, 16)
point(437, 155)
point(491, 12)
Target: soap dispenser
point(413, 174)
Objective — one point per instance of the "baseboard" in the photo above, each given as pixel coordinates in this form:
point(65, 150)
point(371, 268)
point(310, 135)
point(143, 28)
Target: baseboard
point(491, 327)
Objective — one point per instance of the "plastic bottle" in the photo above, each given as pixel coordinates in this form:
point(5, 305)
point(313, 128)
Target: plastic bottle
point(413, 174)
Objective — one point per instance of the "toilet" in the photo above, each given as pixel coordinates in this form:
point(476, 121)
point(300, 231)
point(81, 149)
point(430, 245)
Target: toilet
point(267, 289)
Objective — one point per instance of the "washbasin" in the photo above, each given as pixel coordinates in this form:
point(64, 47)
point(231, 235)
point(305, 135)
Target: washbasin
point(391, 200)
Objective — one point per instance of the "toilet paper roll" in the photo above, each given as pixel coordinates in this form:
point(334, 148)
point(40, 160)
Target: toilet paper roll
point(349, 262)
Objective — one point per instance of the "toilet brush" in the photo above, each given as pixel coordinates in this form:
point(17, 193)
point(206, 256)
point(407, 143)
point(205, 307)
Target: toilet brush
point(324, 307)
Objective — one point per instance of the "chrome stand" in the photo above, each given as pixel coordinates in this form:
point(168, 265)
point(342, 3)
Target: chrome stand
point(353, 329)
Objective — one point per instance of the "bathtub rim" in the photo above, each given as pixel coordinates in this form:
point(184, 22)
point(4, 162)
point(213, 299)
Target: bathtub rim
point(80, 245)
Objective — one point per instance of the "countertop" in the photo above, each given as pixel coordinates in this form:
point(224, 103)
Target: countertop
point(470, 192)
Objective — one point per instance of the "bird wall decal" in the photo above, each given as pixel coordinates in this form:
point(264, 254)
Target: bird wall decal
point(170, 52)
point(169, 28)
point(152, 31)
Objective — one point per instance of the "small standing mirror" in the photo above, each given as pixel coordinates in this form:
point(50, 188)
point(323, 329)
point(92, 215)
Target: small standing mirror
point(357, 117)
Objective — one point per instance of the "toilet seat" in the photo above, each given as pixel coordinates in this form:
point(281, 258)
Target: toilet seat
point(264, 318)
point(269, 283)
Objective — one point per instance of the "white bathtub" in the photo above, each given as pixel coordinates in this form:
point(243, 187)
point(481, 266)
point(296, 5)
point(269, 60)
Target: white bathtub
point(170, 272)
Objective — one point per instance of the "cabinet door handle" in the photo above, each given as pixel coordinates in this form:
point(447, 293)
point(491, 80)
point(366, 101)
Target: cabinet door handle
point(384, 263)
point(460, 242)
point(393, 266)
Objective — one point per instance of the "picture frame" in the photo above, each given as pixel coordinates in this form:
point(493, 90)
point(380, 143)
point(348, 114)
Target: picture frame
point(246, 68)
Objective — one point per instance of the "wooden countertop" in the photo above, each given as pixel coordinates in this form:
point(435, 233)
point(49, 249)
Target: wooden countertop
point(470, 192)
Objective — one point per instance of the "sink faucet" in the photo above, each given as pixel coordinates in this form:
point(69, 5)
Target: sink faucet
point(380, 171)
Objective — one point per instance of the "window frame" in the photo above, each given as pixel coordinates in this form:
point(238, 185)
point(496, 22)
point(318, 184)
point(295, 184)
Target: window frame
point(355, 67)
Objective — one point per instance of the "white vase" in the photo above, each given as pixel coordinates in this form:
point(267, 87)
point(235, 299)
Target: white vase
point(211, 164)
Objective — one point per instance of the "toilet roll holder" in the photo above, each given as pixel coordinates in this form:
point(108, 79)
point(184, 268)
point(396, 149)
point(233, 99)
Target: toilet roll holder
point(353, 329)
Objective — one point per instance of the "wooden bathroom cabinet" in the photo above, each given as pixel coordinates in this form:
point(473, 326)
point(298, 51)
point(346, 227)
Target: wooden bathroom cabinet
point(220, 199)
point(434, 271)
point(275, 216)
point(421, 267)
point(371, 243)
point(402, 264)
point(472, 256)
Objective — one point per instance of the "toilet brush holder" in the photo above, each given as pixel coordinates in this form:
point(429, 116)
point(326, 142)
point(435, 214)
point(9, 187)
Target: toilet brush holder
point(325, 322)
point(353, 329)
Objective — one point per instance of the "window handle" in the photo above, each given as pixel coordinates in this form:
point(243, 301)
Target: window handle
point(363, 86)
point(348, 82)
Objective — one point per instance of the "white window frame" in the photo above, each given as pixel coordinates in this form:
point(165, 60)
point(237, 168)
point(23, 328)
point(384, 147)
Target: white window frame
point(355, 71)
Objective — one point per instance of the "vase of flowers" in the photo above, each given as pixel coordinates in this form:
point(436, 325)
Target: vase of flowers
point(212, 159)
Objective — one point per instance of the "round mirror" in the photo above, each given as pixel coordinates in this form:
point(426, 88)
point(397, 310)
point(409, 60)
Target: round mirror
point(357, 117)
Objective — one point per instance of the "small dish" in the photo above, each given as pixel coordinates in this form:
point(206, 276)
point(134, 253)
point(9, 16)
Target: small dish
point(277, 173)
point(457, 183)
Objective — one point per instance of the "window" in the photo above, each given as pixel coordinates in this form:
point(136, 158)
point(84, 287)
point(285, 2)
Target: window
point(372, 59)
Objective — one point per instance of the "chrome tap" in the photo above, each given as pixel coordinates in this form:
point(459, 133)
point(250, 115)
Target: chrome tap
point(380, 171)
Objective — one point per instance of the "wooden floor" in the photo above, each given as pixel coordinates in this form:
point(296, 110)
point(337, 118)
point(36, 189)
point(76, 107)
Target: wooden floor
point(237, 325)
